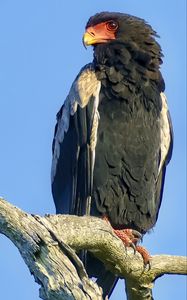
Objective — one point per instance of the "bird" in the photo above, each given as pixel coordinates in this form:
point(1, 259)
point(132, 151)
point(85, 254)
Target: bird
point(113, 138)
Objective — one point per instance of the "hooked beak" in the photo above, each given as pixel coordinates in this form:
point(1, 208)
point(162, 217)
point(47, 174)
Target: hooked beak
point(84, 40)
point(97, 35)
point(89, 39)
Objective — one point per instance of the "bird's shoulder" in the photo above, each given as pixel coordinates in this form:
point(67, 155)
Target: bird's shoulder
point(82, 89)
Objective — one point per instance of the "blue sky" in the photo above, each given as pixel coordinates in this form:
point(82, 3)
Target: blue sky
point(40, 54)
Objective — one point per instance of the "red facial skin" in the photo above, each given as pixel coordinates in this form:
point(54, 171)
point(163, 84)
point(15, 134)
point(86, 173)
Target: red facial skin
point(100, 33)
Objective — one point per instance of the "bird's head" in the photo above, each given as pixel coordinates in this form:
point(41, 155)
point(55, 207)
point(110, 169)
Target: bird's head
point(120, 39)
point(102, 32)
point(108, 27)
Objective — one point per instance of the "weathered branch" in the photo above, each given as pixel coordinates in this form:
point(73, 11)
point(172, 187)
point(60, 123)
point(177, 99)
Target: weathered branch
point(46, 245)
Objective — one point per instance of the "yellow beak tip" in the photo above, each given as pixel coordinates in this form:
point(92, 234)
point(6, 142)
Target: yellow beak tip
point(87, 39)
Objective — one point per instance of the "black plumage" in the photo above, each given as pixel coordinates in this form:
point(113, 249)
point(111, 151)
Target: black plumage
point(113, 137)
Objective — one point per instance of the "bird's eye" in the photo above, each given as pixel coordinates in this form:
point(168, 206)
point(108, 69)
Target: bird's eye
point(112, 25)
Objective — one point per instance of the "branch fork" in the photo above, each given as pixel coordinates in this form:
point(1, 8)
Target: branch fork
point(49, 244)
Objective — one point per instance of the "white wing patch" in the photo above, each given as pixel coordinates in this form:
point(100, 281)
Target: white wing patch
point(165, 131)
point(83, 88)
point(95, 123)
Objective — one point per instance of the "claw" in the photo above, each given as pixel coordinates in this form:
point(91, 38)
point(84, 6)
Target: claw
point(130, 238)
point(137, 234)
point(147, 264)
point(133, 247)
point(145, 255)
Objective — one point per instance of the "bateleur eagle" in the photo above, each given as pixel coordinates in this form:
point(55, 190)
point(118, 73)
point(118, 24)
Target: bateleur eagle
point(113, 137)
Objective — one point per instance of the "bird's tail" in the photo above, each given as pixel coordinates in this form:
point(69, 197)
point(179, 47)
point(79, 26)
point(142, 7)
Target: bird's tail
point(104, 278)
point(107, 281)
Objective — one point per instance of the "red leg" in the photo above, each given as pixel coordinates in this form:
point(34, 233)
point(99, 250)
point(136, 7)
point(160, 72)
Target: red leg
point(145, 255)
point(130, 238)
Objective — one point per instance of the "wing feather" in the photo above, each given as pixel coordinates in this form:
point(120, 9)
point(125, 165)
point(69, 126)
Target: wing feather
point(166, 134)
point(74, 145)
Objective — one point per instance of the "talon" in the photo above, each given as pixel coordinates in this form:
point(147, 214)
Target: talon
point(137, 234)
point(148, 264)
point(133, 247)
point(130, 238)
point(145, 255)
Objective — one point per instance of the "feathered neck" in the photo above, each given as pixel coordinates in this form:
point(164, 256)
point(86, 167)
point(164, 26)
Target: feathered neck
point(132, 61)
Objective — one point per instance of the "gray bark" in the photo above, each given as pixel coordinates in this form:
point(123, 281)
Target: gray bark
point(49, 244)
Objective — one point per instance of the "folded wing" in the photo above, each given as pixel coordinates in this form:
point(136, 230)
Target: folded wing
point(74, 144)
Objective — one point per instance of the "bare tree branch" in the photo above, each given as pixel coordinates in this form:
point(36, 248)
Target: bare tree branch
point(48, 244)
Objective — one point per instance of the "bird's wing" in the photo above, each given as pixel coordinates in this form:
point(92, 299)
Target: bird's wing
point(74, 145)
point(166, 146)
